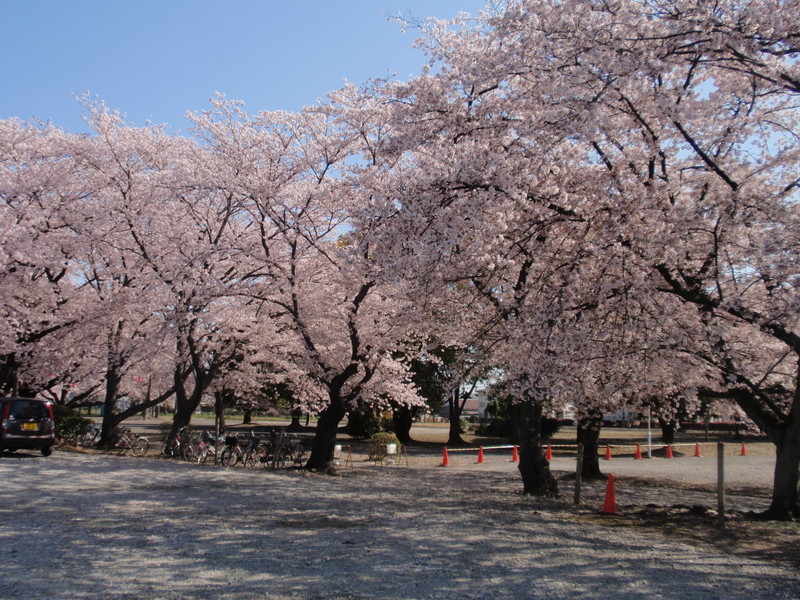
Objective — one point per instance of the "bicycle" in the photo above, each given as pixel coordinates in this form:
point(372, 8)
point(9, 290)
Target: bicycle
point(295, 448)
point(207, 446)
point(90, 437)
point(179, 446)
point(232, 453)
point(125, 440)
point(259, 452)
point(282, 449)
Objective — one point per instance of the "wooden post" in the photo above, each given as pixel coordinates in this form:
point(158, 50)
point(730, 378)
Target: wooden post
point(578, 472)
point(278, 447)
point(721, 481)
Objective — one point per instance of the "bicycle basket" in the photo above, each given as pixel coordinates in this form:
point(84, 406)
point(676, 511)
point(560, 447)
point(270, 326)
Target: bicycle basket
point(231, 440)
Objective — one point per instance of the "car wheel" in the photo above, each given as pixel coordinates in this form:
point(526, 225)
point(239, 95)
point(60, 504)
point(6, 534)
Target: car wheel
point(47, 451)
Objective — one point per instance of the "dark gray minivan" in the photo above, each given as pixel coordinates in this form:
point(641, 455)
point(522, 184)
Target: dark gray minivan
point(25, 424)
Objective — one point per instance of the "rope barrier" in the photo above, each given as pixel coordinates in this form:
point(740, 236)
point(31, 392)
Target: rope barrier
point(511, 447)
point(571, 446)
point(601, 450)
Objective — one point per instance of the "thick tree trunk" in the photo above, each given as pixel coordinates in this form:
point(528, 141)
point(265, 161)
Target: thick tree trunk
point(668, 429)
point(110, 420)
point(534, 468)
point(182, 417)
point(322, 448)
point(403, 419)
point(295, 425)
point(589, 436)
point(113, 378)
point(514, 425)
point(785, 503)
point(454, 406)
point(185, 404)
point(219, 414)
point(783, 430)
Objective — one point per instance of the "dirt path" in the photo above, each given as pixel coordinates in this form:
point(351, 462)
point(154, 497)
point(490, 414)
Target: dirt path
point(94, 526)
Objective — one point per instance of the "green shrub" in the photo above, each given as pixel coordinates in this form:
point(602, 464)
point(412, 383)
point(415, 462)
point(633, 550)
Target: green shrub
point(69, 424)
point(378, 444)
point(387, 422)
point(550, 427)
point(498, 426)
point(362, 424)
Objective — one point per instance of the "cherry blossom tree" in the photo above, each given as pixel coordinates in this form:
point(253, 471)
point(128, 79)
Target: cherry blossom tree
point(607, 188)
point(700, 137)
point(160, 237)
point(308, 272)
point(37, 254)
point(98, 315)
point(664, 131)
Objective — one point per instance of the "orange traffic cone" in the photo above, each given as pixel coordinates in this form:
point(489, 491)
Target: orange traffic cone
point(669, 451)
point(515, 455)
point(610, 505)
point(744, 450)
point(697, 449)
point(549, 453)
point(480, 455)
point(638, 455)
point(445, 459)
point(608, 452)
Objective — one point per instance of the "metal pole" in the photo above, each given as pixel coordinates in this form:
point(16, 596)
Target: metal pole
point(721, 481)
point(649, 435)
point(278, 447)
point(578, 472)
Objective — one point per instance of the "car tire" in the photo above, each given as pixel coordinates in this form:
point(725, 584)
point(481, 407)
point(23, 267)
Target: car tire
point(47, 451)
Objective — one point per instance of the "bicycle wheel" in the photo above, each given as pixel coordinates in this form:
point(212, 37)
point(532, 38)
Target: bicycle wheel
point(284, 457)
point(140, 446)
point(298, 454)
point(169, 448)
point(89, 438)
point(188, 453)
point(250, 458)
point(229, 457)
point(122, 447)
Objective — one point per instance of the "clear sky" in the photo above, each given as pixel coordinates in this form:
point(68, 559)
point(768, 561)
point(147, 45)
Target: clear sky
point(153, 60)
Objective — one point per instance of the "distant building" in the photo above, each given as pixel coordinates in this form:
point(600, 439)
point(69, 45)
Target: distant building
point(474, 408)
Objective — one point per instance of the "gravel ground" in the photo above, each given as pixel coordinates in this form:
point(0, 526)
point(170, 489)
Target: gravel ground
point(91, 526)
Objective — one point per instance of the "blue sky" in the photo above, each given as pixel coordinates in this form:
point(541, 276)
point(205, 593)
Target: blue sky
point(155, 59)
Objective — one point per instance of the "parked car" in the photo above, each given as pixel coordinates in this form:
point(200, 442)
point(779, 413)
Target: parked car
point(26, 424)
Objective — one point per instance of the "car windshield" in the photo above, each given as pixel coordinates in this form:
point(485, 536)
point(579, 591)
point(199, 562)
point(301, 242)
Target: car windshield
point(22, 409)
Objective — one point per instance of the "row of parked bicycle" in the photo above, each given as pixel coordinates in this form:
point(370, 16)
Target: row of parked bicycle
point(122, 439)
point(279, 450)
